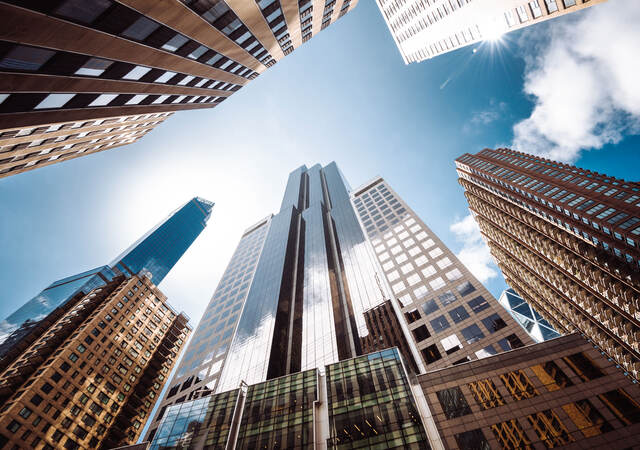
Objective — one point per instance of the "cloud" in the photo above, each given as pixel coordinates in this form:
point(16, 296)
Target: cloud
point(475, 253)
point(492, 113)
point(583, 82)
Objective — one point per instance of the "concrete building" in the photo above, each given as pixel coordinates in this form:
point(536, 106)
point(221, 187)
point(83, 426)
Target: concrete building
point(74, 63)
point(566, 239)
point(91, 378)
point(423, 29)
point(451, 316)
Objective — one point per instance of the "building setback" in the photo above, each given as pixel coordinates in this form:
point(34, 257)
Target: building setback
point(423, 29)
point(305, 289)
point(451, 316)
point(566, 239)
point(559, 393)
point(154, 254)
point(81, 61)
point(92, 377)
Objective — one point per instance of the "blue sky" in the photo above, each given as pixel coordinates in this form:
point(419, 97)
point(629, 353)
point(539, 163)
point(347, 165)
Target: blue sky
point(344, 96)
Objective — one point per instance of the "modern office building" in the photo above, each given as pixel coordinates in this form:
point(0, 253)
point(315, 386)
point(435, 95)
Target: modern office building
point(423, 29)
point(24, 148)
point(562, 393)
point(155, 254)
point(537, 327)
point(83, 61)
point(451, 316)
point(566, 239)
point(91, 377)
point(364, 402)
point(305, 289)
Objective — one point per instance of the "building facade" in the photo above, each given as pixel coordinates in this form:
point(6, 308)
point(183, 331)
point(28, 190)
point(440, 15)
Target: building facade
point(25, 148)
point(537, 327)
point(305, 288)
point(560, 393)
point(451, 316)
point(365, 402)
point(81, 61)
point(154, 254)
point(91, 378)
point(423, 29)
point(566, 239)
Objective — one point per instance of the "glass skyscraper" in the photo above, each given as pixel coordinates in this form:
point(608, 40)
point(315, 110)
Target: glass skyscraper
point(305, 289)
point(537, 327)
point(155, 253)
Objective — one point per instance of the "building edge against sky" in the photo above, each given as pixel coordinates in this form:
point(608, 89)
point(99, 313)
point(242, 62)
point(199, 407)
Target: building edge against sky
point(441, 316)
point(566, 239)
point(155, 254)
point(423, 29)
point(69, 64)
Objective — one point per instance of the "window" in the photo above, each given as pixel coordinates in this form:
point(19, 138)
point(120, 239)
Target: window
point(587, 418)
point(437, 283)
point(510, 342)
point(486, 394)
point(551, 376)
point(494, 323)
point(136, 73)
point(465, 288)
point(622, 406)
point(454, 404)
point(84, 11)
point(431, 354)
point(54, 101)
point(103, 100)
point(451, 344)
point(583, 366)
point(454, 274)
point(510, 434)
point(439, 324)
point(472, 334)
point(164, 78)
point(412, 315)
point(478, 304)
point(136, 99)
point(429, 306)
point(446, 298)
point(140, 29)
point(421, 333)
point(175, 43)
point(458, 314)
point(428, 271)
point(487, 351)
point(14, 426)
point(21, 57)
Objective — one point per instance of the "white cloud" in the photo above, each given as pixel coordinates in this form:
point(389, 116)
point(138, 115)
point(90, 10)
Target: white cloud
point(584, 82)
point(475, 253)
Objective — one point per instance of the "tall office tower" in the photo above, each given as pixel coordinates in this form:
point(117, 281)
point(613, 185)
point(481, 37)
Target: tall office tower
point(155, 254)
point(24, 148)
point(82, 61)
point(92, 376)
point(451, 315)
point(566, 239)
point(297, 295)
point(537, 327)
point(423, 29)
point(304, 289)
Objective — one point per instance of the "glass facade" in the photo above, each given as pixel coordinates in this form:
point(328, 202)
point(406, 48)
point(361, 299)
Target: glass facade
point(371, 404)
point(161, 248)
point(155, 253)
point(537, 327)
point(368, 404)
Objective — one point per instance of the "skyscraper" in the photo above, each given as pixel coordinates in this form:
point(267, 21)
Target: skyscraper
point(155, 254)
point(566, 239)
point(90, 377)
point(537, 327)
point(451, 315)
point(304, 289)
point(82, 61)
point(423, 29)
